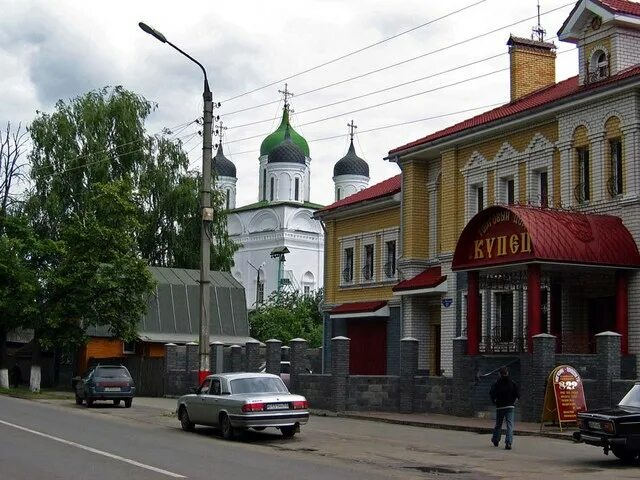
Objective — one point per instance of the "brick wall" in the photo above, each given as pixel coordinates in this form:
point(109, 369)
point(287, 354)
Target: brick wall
point(433, 394)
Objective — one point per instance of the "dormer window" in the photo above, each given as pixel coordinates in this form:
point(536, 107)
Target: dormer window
point(598, 66)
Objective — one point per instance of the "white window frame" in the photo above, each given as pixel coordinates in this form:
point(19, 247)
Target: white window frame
point(539, 159)
point(475, 175)
point(388, 236)
point(344, 245)
point(364, 242)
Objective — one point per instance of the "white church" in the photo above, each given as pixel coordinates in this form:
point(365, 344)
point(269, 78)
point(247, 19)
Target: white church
point(281, 244)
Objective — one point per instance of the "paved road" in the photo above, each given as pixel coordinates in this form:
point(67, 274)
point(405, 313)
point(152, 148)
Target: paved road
point(328, 447)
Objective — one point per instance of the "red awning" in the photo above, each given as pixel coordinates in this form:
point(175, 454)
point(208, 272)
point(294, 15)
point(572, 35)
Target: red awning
point(430, 278)
point(544, 235)
point(359, 307)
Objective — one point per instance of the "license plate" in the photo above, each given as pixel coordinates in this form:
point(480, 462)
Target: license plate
point(277, 406)
point(111, 389)
point(594, 425)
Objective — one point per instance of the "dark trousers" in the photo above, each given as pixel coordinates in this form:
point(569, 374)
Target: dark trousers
point(503, 414)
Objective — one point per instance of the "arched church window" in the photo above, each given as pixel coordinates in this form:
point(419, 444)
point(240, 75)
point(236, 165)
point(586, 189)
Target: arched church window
point(339, 194)
point(228, 199)
point(272, 189)
point(297, 189)
point(264, 184)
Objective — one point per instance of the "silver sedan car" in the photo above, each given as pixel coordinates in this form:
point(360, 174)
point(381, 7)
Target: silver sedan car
point(235, 402)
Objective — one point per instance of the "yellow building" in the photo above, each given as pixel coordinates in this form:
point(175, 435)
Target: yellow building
point(521, 220)
point(360, 271)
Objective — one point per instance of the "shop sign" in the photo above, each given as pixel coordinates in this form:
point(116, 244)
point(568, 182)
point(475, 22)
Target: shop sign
point(564, 396)
point(497, 239)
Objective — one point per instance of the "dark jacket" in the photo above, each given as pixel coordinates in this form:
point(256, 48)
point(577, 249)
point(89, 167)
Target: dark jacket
point(504, 392)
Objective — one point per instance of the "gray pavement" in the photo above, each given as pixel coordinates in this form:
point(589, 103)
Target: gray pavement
point(427, 420)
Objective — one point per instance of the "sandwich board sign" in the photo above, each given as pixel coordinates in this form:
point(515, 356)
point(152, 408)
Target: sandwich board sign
point(564, 396)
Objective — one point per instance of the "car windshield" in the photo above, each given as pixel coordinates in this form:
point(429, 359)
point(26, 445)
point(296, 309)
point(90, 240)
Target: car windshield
point(112, 372)
point(258, 385)
point(632, 398)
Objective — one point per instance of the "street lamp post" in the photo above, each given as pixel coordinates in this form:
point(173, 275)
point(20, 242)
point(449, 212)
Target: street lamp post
point(205, 207)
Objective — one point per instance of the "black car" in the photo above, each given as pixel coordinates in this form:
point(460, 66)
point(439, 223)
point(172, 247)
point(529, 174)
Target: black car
point(614, 429)
point(105, 382)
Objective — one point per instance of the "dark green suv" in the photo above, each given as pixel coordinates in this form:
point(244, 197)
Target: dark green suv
point(105, 382)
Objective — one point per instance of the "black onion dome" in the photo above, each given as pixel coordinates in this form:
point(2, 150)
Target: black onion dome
point(222, 165)
point(287, 152)
point(351, 164)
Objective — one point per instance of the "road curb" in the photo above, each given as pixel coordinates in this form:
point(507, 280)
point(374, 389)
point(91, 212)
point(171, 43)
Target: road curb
point(446, 426)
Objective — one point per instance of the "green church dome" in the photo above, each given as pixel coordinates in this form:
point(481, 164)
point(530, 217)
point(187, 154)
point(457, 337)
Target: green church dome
point(276, 138)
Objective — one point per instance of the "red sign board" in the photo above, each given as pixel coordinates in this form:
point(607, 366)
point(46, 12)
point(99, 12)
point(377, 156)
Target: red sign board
point(564, 396)
point(499, 237)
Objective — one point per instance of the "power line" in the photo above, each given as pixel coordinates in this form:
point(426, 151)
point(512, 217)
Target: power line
point(397, 85)
point(376, 105)
point(403, 62)
point(384, 127)
point(357, 51)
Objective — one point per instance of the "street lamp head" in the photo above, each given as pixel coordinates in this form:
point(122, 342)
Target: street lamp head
point(153, 32)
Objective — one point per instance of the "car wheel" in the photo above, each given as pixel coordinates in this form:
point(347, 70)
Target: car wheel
point(185, 421)
point(288, 431)
point(128, 402)
point(89, 401)
point(624, 454)
point(78, 399)
point(228, 432)
point(116, 402)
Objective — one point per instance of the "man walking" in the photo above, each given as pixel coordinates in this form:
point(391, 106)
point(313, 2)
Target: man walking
point(504, 394)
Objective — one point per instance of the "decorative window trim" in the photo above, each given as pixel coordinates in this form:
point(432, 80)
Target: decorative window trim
point(388, 236)
point(540, 159)
point(364, 242)
point(475, 175)
point(596, 68)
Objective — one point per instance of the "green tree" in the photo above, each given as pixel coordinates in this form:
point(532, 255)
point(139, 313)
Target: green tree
point(100, 137)
point(101, 281)
point(288, 315)
point(26, 267)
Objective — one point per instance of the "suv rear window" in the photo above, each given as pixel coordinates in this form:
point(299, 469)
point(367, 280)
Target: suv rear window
point(112, 372)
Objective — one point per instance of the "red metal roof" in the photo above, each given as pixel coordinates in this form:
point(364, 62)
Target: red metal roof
point(430, 278)
point(390, 186)
point(359, 307)
point(539, 98)
point(621, 6)
point(558, 236)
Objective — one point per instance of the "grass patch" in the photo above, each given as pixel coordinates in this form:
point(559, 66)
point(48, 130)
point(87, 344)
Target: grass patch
point(44, 394)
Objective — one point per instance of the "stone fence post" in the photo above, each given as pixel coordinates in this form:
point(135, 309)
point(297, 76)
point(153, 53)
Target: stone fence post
point(533, 376)
point(273, 354)
point(339, 372)
point(408, 372)
point(463, 380)
point(608, 351)
point(236, 358)
point(298, 356)
point(193, 363)
point(217, 357)
point(252, 356)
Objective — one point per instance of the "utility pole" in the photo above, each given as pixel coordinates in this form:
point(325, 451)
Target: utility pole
point(206, 211)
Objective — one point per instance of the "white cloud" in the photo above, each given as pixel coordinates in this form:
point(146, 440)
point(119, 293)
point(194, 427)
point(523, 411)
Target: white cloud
point(62, 48)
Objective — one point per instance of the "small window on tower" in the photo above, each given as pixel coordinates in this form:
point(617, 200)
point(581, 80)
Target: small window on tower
point(297, 189)
point(227, 199)
point(271, 195)
point(339, 195)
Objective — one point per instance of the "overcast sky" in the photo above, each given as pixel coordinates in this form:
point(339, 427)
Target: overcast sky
point(57, 49)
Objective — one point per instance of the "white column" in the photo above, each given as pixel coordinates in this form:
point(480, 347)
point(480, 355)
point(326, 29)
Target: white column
point(597, 158)
point(567, 169)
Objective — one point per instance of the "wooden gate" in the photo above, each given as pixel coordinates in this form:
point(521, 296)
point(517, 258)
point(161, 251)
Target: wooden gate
point(368, 346)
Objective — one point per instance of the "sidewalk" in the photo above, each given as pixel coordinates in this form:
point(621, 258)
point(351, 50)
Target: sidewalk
point(425, 420)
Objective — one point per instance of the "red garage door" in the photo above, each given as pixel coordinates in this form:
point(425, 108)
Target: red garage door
point(368, 347)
